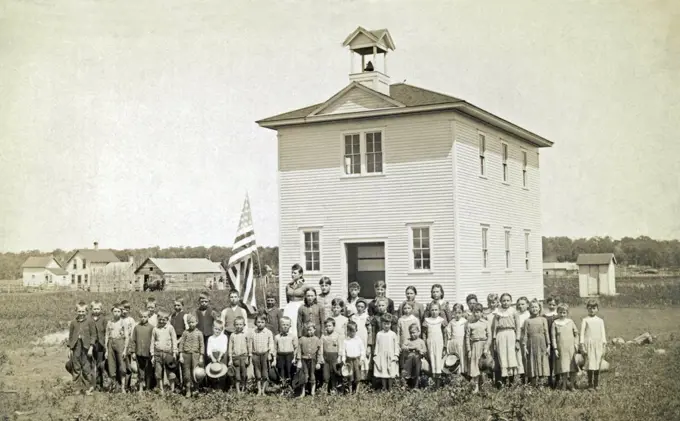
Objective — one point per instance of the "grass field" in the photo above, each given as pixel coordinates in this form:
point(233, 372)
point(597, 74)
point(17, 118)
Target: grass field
point(641, 385)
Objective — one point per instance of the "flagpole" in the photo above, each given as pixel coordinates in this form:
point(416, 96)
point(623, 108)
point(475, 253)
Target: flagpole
point(257, 253)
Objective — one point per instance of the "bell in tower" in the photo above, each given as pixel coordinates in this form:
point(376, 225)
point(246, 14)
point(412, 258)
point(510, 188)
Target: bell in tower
point(374, 44)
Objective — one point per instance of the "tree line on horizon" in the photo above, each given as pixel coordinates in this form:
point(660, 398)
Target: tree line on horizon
point(641, 251)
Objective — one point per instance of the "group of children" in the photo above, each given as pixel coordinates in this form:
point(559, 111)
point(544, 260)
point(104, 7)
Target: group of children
point(336, 342)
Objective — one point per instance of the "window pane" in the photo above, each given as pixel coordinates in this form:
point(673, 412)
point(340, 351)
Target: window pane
point(417, 264)
point(505, 152)
point(378, 164)
point(524, 159)
point(426, 264)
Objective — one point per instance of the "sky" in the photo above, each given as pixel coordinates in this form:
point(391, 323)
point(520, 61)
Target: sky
point(132, 123)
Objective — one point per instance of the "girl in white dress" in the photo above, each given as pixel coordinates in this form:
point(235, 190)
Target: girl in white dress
point(295, 294)
point(386, 354)
point(361, 319)
point(505, 331)
point(455, 333)
point(434, 332)
point(593, 343)
point(522, 307)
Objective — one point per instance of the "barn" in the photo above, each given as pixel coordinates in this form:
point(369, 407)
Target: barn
point(596, 274)
point(560, 269)
point(390, 181)
point(180, 274)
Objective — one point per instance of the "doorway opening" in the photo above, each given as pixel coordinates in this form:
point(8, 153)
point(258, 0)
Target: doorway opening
point(365, 265)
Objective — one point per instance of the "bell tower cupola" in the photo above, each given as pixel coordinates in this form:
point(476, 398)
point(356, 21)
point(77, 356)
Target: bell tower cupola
point(372, 47)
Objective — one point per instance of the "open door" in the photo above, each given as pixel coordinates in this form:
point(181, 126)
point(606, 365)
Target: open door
point(365, 265)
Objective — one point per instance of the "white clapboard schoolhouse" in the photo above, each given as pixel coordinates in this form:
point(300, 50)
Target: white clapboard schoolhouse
point(396, 182)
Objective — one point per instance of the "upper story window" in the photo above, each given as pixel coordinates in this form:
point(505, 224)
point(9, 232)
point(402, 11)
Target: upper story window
point(84, 264)
point(525, 164)
point(482, 154)
point(75, 264)
point(504, 150)
point(363, 152)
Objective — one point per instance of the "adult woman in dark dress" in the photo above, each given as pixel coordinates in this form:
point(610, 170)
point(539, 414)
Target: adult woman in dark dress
point(295, 294)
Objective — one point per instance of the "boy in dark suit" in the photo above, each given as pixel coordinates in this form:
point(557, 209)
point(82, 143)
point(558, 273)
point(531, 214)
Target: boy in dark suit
point(97, 327)
point(80, 348)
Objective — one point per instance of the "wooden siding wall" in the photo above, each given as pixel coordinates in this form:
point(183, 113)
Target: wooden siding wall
point(416, 187)
point(176, 281)
point(490, 201)
point(107, 280)
point(186, 281)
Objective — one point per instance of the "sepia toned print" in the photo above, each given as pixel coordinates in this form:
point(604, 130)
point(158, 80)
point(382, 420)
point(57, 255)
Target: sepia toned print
point(214, 210)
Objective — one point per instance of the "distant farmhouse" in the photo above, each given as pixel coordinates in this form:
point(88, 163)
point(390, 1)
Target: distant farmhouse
point(597, 274)
point(180, 274)
point(85, 262)
point(560, 269)
point(44, 271)
point(390, 181)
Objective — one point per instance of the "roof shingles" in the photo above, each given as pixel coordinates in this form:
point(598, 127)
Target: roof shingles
point(595, 259)
point(409, 95)
point(37, 262)
point(186, 265)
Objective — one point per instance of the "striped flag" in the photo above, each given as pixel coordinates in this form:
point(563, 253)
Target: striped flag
point(240, 266)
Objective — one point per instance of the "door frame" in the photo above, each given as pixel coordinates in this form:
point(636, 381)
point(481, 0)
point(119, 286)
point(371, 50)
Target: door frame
point(343, 258)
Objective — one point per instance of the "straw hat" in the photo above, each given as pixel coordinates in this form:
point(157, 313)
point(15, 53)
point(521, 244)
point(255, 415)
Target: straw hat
point(604, 365)
point(452, 362)
point(273, 374)
point(216, 370)
point(231, 372)
point(486, 363)
point(69, 367)
point(579, 360)
point(346, 370)
point(133, 366)
point(425, 366)
point(199, 374)
point(299, 379)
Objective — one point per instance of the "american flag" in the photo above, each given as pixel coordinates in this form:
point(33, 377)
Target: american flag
point(240, 266)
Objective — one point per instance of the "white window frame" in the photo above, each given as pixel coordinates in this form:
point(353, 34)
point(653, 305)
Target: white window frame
point(507, 242)
point(303, 250)
point(411, 250)
point(363, 152)
point(481, 143)
point(505, 159)
point(525, 169)
point(485, 247)
point(527, 250)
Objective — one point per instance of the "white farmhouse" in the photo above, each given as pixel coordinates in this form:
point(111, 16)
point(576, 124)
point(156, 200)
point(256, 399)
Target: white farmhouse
point(396, 182)
point(43, 271)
